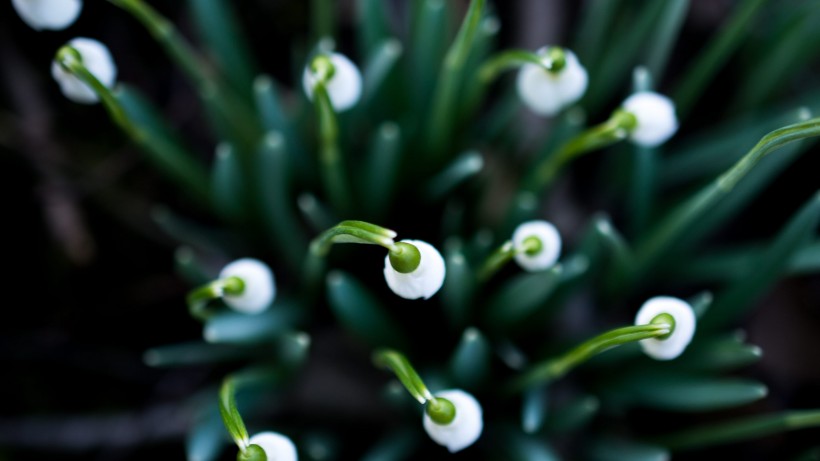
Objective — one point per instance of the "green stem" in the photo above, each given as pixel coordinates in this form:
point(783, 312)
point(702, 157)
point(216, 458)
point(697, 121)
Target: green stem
point(510, 59)
point(199, 298)
point(447, 88)
point(398, 363)
point(230, 414)
point(500, 257)
point(610, 132)
point(353, 232)
point(330, 156)
point(555, 368)
point(743, 429)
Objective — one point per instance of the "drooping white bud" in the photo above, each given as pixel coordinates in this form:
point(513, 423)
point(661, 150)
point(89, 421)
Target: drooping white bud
point(48, 14)
point(259, 285)
point(537, 245)
point(465, 429)
point(277, 447)
point(345, 85)
point(424, 281)
point(655, 114)
point(682, 331)
point(97, 59)
point(546, 92)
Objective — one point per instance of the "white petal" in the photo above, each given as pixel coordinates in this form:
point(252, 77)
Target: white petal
point(423, 282)
point(344, 88)
point(465, 429)
point(546, 93)
point(550, 245)
point(97, 59)
point(260, 286)
point(656, 118)
point(675, 344)
point(277, 447)
point(48, 14)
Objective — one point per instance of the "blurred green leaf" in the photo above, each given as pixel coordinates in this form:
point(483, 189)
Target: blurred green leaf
point(597, 17)
point(206, 439)
point(396, 446)
point(574, 414)
point(197, 353)
point(464, 167)
point(228, 185)
point(361, 314)
point(189, 267)
point(611, 449)
point(521, 447)
point(237, 328)
point(534, 408)
point(520, 297)
point(470, 364)
point(459, 285)
point(719, 354)
point(378, 67)
point(664, 36)
point(273, 117)
point(384, 159)
point(426, 51)
point(191, 233)
point(373, 25)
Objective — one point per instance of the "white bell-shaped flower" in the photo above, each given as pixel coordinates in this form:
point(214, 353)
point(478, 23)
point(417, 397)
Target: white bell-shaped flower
point(260, 285)
point(424, 281)
point(345, 85)
point(655, 114)
point(48, 14)
point(537, 245)
point(465, 428)
point(277, 447)
point(547, 93)
point(97, 59)
point(682, 331)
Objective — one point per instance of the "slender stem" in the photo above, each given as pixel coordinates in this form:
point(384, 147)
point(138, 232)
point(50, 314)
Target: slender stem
point(555, 368)
point(610, 132)
point(230, 414)
point(509, 59)
point(398, 363)
point(500, 257)
point(333, 174)
point(199, 298)
point(742, 429)
point(353, 232)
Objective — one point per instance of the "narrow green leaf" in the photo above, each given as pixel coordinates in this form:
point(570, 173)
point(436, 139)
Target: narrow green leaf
point(719, 354)
point(222, 35)
point(521, 296)
point(701, 302)
point(459, 285)
point(574, 414)
point(713, 57)
point(238, 328)
point(228, 186)
point(196, 353)
point(189, 232)
point(273, 117)
point(164, 148)
point(470, 364)
point(739, 296)
point(611, 449)
point(685, 393)
point(360, 312)
point(534, 408)
point(315, 213)
point(383, 164)
point(205, 440)
point(378, 67)
point(426, 51)
point(642, 188)
point(396, 446)
point(189, 267)
point(230, 414)
point(664, 36)
point(372, 27)
point(322, 18)
point(466, 166)
point(521, 447)
point(595, 25)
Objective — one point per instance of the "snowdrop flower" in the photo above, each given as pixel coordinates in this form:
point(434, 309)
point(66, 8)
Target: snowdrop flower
point(48, 14)
point(95, 57)
point(655, 116)
point(258, 285)
point(417, 276)
point(276, 446)
point(681, 317)
point(546, 92)
point(537, 245)
point(343, 80)
point(464, 429)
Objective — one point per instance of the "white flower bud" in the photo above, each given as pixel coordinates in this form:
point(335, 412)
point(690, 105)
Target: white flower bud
point(682, 332)
point(542, 257)
point(97, 59)
point(48, 14)
point(423, 282)
point(277, 447)
point(260, 286)
point(465, 429)
point(656, 118)
point(345, 85)
point(545, 92)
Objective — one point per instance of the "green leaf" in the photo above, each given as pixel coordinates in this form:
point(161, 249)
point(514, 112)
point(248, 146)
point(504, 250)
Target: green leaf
point(378, 67)
point(426, 51)
point(190, 268)
point(228, 185)
point(664, 36)
point(611, 449)
point(383, 162)
point(684, 393)
point(522, 447)
point(191, 233)
point(360, 313)
point(459, 286)
point(372, 27)
point(596, 22)
point(466, 166)
point(470, 364)
point(534, 408)
point(163, 146)
point(396, 446)
point(322, 19)
point(719, 354)
point(238, 328)
point(731, 302)
point(274, 118)
point(713, 57)
point(574, 414)
point(197, 353)
point(222, 35)
point(205, 440)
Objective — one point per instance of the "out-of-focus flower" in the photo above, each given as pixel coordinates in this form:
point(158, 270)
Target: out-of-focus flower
point(537, 245)
point(464, 429)
point(48, 14)
point(682, 324)
point(259, 285)
point(277, 447)
point(655, 116)
point(344, 82)
point(95, 57)
point(422, 281)
point(547, 92)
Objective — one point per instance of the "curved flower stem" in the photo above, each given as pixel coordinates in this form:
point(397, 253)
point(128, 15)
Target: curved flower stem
point(502, 255)
point(555, 368)
point(398, 364)
point(610, 132)
point(330, 156)
point(509, 59)
point(742, 429)
point(230, 414)
point(199, 298)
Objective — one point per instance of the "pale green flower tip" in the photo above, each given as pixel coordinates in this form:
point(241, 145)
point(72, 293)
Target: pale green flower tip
point(97, 59)
point(547, 93)
point(465, 429)
point(344, 87)
point(424, 281)
point(277, 447)
point(680, 336)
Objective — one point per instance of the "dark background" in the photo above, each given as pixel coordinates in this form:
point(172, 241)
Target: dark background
point(90, 282)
